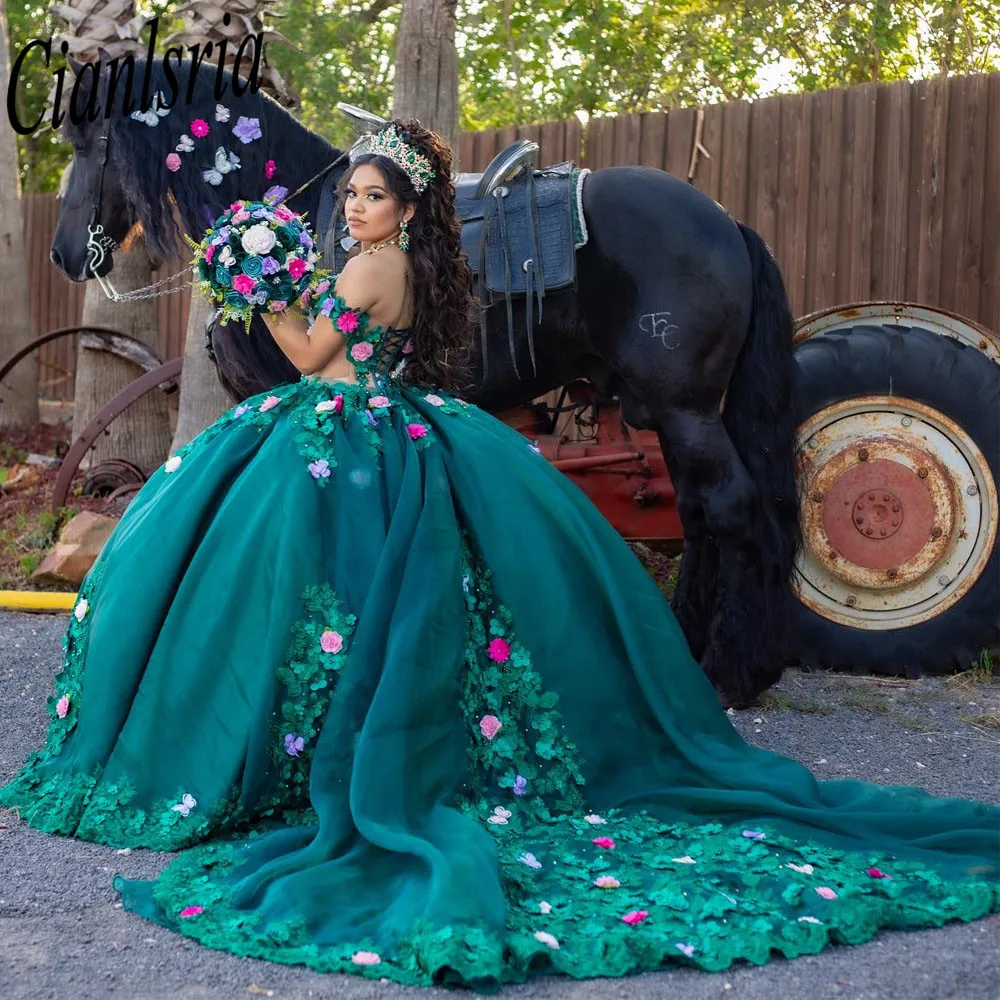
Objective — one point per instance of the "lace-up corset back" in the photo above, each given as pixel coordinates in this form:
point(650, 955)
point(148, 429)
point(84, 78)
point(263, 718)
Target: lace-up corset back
point(388, 357)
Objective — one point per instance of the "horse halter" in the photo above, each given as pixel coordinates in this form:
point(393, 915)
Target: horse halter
point(99, 243)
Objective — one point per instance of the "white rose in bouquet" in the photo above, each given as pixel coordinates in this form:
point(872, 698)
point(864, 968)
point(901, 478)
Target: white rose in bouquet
point(258, 239)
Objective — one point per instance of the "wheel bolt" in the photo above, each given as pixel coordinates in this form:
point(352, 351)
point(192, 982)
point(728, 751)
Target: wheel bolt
point(922, 473)
point(972, 490)
point(816, 497)
point(871, 496)
point(892, 573)
point(943, 580)
point(863, 454)
point(851, 600)
point(935, 532)
point(907, 421)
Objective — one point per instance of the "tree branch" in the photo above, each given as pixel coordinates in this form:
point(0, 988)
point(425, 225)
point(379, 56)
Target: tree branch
point(373, 13)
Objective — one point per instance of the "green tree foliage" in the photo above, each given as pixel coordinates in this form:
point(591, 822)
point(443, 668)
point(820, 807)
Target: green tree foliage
point(525, 61)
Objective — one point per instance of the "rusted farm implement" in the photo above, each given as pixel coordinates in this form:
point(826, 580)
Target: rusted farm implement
point(898, 458)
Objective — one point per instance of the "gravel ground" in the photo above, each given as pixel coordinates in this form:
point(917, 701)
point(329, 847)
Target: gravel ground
point(62, 936)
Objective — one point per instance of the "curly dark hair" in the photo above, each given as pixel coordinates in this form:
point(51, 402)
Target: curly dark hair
point(444, 308)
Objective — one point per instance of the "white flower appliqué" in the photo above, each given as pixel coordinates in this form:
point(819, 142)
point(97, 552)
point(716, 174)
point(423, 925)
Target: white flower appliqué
point(172, 464)
point(258, 239)
point(80, 611)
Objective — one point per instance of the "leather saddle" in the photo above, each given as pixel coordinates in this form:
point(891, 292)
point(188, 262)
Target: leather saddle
point(517, 232)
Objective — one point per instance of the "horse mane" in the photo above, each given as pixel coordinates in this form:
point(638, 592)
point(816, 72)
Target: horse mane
point(158, 196)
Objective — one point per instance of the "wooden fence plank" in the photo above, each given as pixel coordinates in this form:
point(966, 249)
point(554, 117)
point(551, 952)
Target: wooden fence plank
point(627, 139)
point(735, 149)
point(680, 136)
point(989, 295)
point(708, 168)
point(854, 240)
point(929, 130)
point(891, 192)
point(826, 167)
point(794, 183)
point(652, 139)
point(762, 168)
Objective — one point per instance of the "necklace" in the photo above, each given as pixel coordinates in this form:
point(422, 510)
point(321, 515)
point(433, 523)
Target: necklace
point(375, 247)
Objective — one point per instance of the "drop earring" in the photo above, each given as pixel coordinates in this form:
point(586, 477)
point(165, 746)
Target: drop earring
point(404, 236)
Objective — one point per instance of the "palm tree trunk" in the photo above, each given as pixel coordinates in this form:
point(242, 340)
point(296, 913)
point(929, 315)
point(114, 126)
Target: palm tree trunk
point(19, 393)
point(141, 435)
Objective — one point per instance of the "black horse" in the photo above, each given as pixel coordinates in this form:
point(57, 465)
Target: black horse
point(679, 310)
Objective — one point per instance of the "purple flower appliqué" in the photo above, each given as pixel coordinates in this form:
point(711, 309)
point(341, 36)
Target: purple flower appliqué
point(269, 265)
point(520, 785)
point(306, 240)
point(247, 129)
point(294, 745)
point(320, 469)
point(274, 194)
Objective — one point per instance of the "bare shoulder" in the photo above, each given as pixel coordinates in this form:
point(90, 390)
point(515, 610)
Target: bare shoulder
point(371, 279)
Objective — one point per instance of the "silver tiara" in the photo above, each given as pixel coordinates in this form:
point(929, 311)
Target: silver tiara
point(390, 142)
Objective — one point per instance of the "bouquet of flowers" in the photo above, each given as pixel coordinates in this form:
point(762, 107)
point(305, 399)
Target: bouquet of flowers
point(255, 256)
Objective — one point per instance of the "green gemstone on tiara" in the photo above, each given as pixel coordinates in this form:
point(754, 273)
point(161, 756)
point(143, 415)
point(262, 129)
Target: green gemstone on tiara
point(412, 162)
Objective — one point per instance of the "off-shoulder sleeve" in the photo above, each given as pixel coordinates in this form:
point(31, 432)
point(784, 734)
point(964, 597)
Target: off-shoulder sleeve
point(348, 320)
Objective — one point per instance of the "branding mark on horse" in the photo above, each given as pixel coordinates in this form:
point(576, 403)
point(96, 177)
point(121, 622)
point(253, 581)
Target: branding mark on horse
point(658, 325)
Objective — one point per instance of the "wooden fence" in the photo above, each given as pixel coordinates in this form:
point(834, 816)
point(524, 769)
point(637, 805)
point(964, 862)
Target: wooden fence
point(887, 191)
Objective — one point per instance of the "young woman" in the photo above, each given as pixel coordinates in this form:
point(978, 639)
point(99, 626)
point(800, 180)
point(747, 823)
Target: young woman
point(414, 706)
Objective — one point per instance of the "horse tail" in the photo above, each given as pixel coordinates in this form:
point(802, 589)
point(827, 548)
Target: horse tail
point(760, 420)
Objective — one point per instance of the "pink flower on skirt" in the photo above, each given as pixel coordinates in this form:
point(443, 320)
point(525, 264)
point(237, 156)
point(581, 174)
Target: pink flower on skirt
point(62, 706)
point(635, 918)
point(416, 431)
point(489, 726)
point(499, 651)
point(270, 403)
point(378, 401)
point(606, 843)
point(362, 351)
point(826, 892)
point(331, 642)
point(607, 882)
point(192, 911)
point(366, 958)
point(347, 322)
point(875, 873)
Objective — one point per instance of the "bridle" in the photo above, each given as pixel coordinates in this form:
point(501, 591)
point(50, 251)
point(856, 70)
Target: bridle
point(99, 243)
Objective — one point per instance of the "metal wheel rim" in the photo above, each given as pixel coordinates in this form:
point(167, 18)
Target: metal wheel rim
point(879, 422)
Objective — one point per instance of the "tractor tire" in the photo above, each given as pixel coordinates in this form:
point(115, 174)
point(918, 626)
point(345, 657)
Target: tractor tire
point(899, 457)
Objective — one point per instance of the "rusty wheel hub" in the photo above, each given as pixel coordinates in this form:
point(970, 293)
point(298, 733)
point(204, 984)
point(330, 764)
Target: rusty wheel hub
point(900, 512)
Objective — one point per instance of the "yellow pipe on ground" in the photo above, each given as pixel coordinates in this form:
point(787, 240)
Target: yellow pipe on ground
point(36, 600)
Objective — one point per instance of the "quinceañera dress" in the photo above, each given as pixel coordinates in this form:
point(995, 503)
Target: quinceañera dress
point(417, 712)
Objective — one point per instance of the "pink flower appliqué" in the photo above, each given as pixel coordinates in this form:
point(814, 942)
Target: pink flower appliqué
point(416, 431)
point(434, 399)
point(499, 651)
point(489, 726)
point(366, 958)
point(277, 305)
point(826, 892)
point(173, 162)
point(347, 322)
point(296, 268)
point(192, 911)
point(875, 873)
point(62, 706)
point(362, 351)
point(270, 403)
point(326, 405)
point(331, 642)
point(607, 882)
point(635, 918)
point(285, 214)
point(605, 843)
point(378, 401)
point(244, 284)
point(210, 253)
point(241, 216)
point(199, 128)
point(270, 169)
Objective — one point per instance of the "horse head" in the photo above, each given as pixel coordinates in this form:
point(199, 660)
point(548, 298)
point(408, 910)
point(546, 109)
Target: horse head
point(172, 167)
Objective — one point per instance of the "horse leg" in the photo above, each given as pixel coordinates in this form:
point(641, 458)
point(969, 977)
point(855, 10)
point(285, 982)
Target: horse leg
point(694, 598)
point(742, 655)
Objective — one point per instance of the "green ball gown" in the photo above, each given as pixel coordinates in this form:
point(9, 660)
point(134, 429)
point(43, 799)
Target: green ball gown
point(414, 711)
